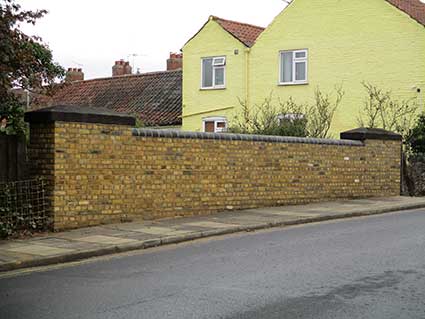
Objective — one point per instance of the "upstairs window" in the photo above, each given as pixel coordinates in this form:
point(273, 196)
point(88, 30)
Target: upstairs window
point(293, 67)
point(213, 73)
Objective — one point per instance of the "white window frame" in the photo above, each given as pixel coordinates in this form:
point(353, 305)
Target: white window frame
point(290, 117)
point(215, 65)
point(215, 119)
point(294, 62)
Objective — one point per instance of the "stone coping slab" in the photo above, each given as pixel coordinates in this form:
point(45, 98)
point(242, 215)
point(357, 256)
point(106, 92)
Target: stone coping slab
point(364, 133)
point(82, 114)
point(242, 137)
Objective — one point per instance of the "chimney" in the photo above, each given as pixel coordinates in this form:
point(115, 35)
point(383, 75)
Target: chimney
point(74, 74)
point(175, 62)
point(121, 67)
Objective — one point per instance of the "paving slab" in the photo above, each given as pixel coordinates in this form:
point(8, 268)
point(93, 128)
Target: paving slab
point(108, 239)
point(162, 231)
point(137, 236)
point(208, 224)
point(39, 250)
point(250, 219)
point(289, 213)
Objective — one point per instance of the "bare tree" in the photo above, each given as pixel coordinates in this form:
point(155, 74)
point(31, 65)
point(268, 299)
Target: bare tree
point(321, 113)
point(289, 118)
point(380, 110)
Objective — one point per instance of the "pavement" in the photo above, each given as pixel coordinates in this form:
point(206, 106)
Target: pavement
point(53, 248)
point(369, 267)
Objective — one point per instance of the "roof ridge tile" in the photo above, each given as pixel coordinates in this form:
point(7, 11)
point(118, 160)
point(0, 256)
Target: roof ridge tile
point(414, 8)
point(238, 22)
point(244, 32)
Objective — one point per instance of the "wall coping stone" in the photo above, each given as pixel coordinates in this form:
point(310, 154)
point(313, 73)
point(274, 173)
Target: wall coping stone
point(83, 114)
point(364, 133)
point(241, 137)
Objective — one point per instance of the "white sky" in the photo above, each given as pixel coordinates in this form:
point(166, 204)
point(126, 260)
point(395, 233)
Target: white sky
point(92, 34)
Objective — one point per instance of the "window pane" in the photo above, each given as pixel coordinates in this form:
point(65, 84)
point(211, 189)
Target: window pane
point(291, 116)
point(219, 76)
point(286, 65)
point(301, 54)
point(220, 127)
point(219, 61)
point(209, 127)
point(207, 73)
point(300, 71)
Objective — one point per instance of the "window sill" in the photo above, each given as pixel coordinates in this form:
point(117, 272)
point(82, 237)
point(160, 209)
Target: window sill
point(292, 84)
point(212, 89)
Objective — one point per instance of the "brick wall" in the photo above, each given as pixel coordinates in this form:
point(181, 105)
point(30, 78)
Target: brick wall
point(41, 156)
point(103, 173)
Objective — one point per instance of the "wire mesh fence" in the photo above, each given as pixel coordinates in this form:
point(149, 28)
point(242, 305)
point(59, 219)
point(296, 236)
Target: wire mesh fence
point(23, 207)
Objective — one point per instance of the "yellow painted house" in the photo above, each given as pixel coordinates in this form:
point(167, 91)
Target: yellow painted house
point(310, 44)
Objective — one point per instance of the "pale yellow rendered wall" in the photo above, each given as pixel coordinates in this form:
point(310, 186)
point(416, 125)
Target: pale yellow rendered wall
point(212, 40)
point(348, 42)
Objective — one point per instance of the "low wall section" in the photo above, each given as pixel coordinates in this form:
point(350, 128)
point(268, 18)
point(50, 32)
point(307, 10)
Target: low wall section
point(100, 170)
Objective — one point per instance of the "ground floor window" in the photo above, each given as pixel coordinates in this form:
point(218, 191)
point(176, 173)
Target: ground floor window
point(290, 117)
point(214, 124)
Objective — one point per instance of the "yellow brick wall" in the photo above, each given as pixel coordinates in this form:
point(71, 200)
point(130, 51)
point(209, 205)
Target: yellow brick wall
point(41, 152)
point(103, 174)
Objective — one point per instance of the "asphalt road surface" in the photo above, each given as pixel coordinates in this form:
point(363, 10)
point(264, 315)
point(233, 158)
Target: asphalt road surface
point(360, 268)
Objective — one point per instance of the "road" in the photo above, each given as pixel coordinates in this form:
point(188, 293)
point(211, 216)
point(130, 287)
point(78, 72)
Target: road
point(359, 268)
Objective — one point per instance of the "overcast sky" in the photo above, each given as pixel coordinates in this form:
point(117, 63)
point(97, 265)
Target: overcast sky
point(92, 34)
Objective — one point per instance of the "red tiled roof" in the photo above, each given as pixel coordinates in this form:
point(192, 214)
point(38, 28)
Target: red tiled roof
point(246, 33)
point(414, 8)
point(156, 98)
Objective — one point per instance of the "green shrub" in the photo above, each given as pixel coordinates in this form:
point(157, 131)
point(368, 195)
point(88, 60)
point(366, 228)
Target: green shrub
point(268, 119)
point(12, 117)
point(416, 138)
point(289, 118)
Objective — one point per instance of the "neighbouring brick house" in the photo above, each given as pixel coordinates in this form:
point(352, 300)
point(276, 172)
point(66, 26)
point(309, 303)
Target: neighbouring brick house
point(154, 98)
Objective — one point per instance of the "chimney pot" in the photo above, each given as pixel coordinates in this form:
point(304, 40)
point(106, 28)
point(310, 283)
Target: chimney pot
point(121, 67)
point(175, 62)
point(74, 74)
